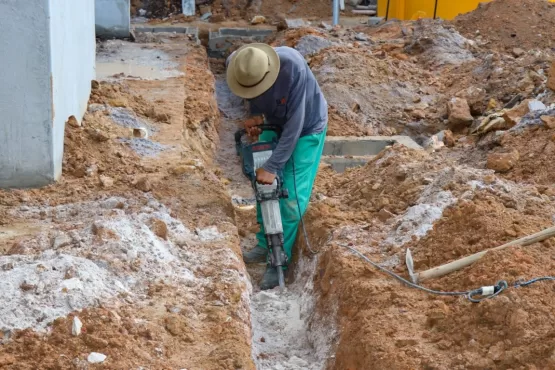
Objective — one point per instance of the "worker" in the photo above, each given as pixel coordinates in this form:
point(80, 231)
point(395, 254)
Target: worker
point(281, 89)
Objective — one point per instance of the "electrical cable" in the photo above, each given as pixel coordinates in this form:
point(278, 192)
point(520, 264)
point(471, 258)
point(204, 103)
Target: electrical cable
point(487, 292)
point(299, 208)
point(529, 282)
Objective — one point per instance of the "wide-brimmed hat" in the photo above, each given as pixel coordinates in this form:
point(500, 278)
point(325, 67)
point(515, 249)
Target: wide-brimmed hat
point(253, 69)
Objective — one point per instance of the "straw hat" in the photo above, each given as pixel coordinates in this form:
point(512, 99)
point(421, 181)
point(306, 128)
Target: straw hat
point(253, 69)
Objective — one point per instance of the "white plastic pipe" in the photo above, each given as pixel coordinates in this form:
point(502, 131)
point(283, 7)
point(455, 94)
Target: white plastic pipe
point(335, 12)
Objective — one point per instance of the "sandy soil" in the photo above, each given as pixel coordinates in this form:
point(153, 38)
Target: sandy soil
point(240, 10)
point(443, 204)
point(141, 239)
point(144, 244)
point(509, 24)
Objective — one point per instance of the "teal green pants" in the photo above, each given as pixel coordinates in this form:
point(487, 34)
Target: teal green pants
point(307, 156)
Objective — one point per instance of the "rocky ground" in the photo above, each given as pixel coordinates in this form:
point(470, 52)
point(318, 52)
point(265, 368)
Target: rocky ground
point(483, 111)
point(133, 260)
point(134, 254)
point(251, 11)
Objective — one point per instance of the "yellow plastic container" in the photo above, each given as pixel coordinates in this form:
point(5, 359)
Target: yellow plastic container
point(414, 9)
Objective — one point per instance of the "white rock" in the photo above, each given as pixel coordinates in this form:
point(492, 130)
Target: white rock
point(536, 105)
point(142, 12)
point(76, 327)
point(140, 132)
point(72, 284)
point(96, 358)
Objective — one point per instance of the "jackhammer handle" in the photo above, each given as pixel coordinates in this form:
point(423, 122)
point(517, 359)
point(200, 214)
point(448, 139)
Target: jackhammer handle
point(264, 127)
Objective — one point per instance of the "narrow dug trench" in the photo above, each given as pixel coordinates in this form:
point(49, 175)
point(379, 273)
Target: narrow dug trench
point(286, 332)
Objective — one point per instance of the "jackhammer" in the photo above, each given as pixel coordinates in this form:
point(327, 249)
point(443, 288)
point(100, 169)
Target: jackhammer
point(253, 156)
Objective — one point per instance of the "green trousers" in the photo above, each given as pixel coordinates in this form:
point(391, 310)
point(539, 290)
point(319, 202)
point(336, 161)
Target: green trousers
point(306, 156)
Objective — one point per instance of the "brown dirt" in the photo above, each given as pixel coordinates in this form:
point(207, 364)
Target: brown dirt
point(536, 148)
point(391, 326)
point(150, 333)
point(157, 8)
point(236, 10)
point(509, 24)
point(361, 95)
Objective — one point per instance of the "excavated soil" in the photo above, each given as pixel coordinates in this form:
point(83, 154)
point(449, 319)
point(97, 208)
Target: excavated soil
point(141, 248)
point(361, 95)
point(536, 148)
point(508, 24)
point(442, 203)
point(237, 10)
point(142, 237)
point(441, 210)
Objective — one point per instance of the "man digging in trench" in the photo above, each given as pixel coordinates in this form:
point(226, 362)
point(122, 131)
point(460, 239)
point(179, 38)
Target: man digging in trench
point(281, 89)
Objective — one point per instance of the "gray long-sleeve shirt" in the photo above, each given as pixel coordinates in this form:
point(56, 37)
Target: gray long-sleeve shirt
point(294, 102)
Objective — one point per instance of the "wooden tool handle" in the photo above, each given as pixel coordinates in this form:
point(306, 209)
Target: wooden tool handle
point(469, 260)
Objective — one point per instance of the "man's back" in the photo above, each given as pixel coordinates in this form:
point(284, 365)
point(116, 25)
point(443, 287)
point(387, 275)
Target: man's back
point(279, 100)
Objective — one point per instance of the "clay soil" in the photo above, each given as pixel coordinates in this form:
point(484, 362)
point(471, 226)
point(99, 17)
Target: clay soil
point(442, 202)
point(391, 326)
point(241, 10)
point(508, 24)
point(169, 328)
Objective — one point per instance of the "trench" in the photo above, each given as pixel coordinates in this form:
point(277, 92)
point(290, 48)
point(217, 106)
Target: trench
point(286, 333)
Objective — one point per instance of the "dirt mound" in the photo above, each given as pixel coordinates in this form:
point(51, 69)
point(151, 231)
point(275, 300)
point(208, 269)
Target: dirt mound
point(536, 147)
point(80, 243)
point(441, 210)
point(292, 36)
point(509, 24)
point(437, 44)
point(370, 94)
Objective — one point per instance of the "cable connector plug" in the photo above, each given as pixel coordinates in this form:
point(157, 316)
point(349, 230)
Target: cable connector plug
point(487, 292)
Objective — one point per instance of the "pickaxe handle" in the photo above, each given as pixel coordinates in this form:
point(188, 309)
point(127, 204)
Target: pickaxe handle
point(469, 260)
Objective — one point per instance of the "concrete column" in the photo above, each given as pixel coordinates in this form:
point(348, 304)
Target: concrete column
point(113, 18)
point(48, 62)
point(188, 7)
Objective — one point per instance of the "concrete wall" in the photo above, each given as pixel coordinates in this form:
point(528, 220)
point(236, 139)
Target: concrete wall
point(113, 18)
point(73, 56)
point(36, 95)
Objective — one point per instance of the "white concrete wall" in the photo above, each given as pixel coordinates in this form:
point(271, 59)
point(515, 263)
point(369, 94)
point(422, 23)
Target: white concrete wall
point(72, 58)
point(113, 18)
point(39, 87)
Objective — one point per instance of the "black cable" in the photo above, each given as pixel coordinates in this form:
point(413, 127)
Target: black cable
point(469, 294)
point(529, 282)
point(299, 208)
point(435, 9)
point(387, 10)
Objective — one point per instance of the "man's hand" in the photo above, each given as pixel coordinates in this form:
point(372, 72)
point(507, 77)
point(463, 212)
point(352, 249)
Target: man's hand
point(264, 177)
point(251, 126)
